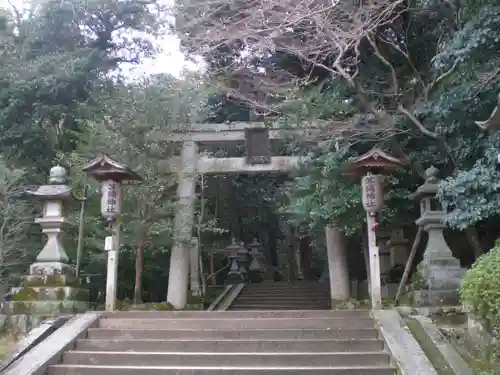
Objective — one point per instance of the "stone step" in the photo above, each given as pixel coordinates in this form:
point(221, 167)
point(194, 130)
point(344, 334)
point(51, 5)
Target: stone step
point(97, 358)
point(318, 287)
point(290, 302)
point(304, 285)
point(238, 314)
point(267, 305)
point(229, 346)
point(288, 292)
point(283, 297)
point(291, 291)
point(239, 323)
point(246, 334)
point(248, 306)
point(151, 370)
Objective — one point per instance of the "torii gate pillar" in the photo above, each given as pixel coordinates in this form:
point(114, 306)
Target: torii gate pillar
point(183, 226)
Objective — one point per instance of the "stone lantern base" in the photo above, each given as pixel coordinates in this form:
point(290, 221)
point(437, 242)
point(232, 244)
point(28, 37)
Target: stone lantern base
point(235, 278)
point(439, 283)
point(48, 294)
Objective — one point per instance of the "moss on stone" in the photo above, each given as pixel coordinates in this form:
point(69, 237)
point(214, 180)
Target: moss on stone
point(52, 280)
point(417, 282)
point(194, 300)
point(350, 304)
point(48, 316)
point(435, 357)
point(387, 304)
point(163, 307)
point(406, 299)
point(20, 307)
point(60, 293)
point(81, 295)
point(26, 294)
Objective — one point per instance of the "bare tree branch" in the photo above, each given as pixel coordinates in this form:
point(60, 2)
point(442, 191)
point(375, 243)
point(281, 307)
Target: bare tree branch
point(331, 35)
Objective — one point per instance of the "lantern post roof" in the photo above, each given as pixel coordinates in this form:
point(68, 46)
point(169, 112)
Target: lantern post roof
point(493, 123)
point(375, 160)
point(430, 187)
point(103, 167)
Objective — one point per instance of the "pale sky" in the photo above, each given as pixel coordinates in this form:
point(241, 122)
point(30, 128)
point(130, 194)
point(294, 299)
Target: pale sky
point(170, 60)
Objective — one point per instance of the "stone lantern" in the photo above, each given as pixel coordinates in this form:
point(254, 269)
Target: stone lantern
point(51, 286)
point(244, 260)
point(440, 272)
point(398, 246)
point(111, 175)
point(370, 167)
point(257, 266)
point(234, 276)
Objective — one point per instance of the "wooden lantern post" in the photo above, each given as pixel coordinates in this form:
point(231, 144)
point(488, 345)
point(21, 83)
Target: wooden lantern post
point(369, 168)
point(111, 175)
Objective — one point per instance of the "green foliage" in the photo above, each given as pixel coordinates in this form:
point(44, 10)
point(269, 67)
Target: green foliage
point(480, 291)
point(55, 60)
point(16, 246)
point(323, 195)
point(472, 195)
point(472, 44)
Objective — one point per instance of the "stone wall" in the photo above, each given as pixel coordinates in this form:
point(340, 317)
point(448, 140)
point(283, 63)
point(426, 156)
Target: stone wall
point(20, 323)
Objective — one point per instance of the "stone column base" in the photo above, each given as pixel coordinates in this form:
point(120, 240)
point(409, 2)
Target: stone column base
point(436, 297)
point(389, 291)
point(234, 278)
point(48, 295)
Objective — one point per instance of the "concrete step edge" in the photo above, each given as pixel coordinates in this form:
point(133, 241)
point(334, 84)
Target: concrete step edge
point(222, 368)
point(274, 305)
point(355, 340)
point(253, 330)
point(237, 319)
point(228, 354)
point(208, 313)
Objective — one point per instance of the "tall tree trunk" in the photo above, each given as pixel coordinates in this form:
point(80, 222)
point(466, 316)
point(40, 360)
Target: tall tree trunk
point(474, 242)
point(138, 275)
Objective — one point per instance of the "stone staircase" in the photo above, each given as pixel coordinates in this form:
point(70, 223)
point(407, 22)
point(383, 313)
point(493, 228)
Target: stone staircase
point(300, 295)
point(229, 342)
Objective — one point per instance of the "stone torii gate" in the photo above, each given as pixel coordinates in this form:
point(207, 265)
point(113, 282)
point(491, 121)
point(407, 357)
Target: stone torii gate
point(257, 138)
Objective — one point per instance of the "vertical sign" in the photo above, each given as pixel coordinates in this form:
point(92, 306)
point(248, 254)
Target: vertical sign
point(373, 199)
point(110, 201)
point(257, 146)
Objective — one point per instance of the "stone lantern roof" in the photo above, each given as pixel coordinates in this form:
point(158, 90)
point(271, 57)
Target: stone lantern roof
point(430, 187)
point(57, 187)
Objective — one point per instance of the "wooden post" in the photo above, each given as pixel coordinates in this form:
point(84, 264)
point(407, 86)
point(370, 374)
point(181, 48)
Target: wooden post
point(409, 263)
point(112, 245)
point(375, 285)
